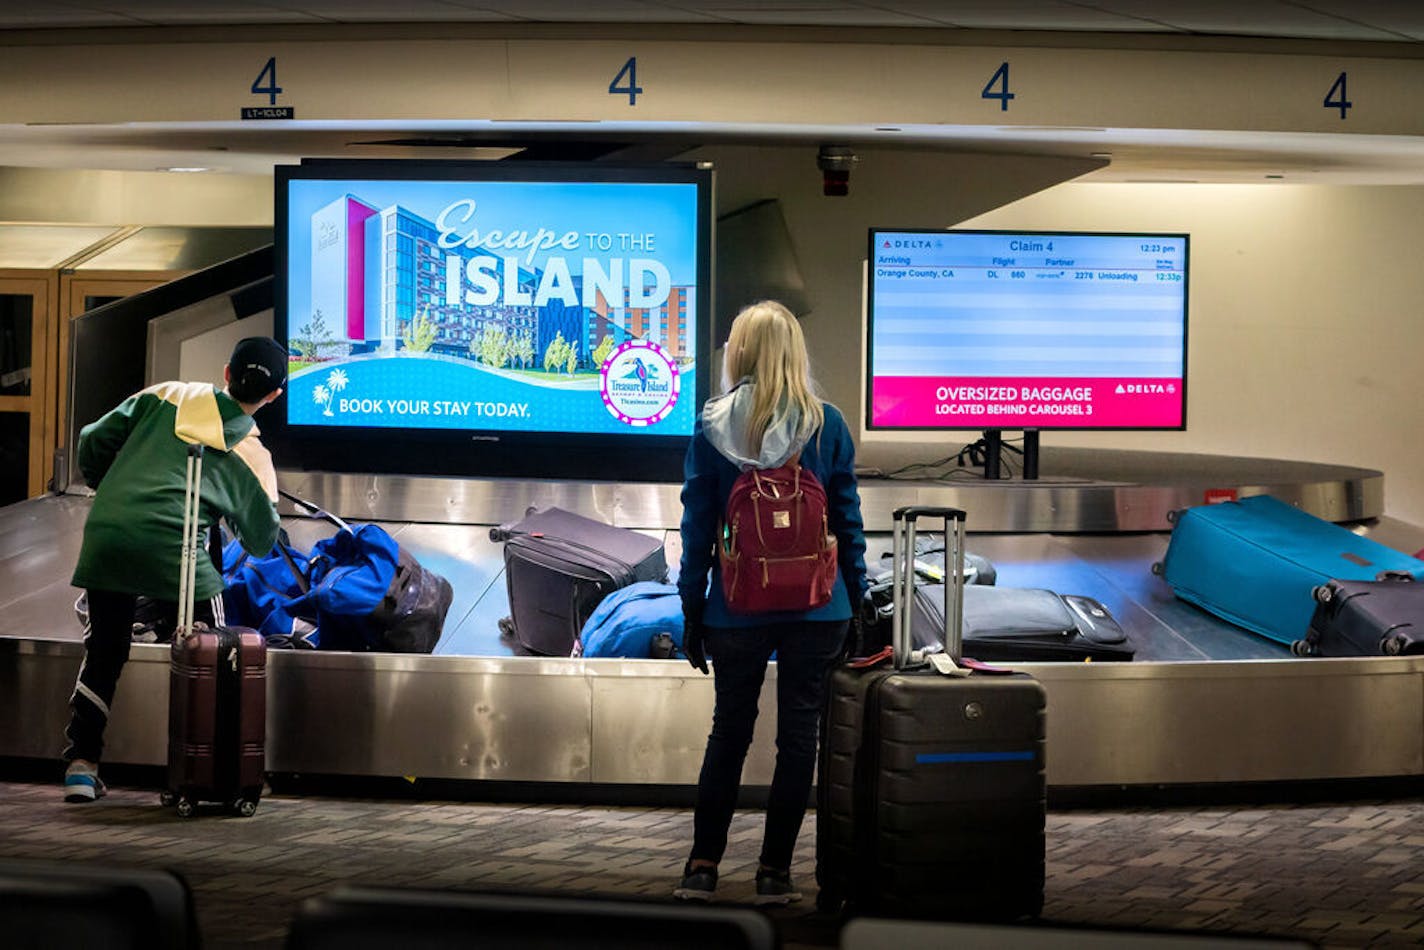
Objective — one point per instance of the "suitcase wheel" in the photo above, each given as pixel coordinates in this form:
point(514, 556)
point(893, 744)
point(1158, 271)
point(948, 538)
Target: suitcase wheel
point(245, 807)
point(1302, 648)
point(1172, 516)
point(1157, 568)
point(185, 808)
point(1322, 594)
point(167, 799)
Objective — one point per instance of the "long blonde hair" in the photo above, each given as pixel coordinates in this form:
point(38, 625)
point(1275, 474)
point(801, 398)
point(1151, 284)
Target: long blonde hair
point(766, 344)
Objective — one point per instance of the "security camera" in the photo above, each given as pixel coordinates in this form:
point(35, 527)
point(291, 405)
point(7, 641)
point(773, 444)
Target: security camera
point(835, 163)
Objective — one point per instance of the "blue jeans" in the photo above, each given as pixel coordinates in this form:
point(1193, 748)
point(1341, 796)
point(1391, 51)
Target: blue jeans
point(804, 653)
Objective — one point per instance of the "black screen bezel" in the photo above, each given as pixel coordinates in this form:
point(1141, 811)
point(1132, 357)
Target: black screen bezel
point(477, 452)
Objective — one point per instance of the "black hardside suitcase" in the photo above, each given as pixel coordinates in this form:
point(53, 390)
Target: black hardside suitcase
point(1383, 617)
point(931, 792)
point(559, 565)
point(217, 694)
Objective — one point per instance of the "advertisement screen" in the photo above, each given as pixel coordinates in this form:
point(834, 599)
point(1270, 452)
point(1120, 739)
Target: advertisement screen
point(554, 304)
point(1021, 330)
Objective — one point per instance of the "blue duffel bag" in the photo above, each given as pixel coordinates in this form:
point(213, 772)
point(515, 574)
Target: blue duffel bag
point(263, 593)
point(640, 621)
point(356, 590)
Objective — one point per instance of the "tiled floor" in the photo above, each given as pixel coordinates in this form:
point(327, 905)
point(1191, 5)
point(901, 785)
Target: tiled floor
point(1339, 875)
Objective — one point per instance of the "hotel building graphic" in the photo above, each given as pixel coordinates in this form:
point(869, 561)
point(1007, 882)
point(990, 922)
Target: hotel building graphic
point(374, 270)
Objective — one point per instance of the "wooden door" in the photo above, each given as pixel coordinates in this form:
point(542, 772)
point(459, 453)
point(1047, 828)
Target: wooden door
point(27, 337)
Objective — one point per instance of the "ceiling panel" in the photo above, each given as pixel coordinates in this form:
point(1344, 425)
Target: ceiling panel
point(1257, 18)
point(1404, 18)
point(604, 11)
point(1022, 15)
point(825, 14)
point(1383, 20)
point(182, 12)
point(383, 11)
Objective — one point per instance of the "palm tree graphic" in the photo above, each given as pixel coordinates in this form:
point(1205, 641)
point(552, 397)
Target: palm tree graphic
point(324, 393)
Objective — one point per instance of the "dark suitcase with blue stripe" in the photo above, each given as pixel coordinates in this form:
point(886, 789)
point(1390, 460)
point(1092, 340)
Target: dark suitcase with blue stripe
point(931, 792)
point(1255, 563)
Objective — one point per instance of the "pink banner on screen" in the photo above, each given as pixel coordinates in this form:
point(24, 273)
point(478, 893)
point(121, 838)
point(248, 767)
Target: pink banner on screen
point(356, 215)
point(1025, 402)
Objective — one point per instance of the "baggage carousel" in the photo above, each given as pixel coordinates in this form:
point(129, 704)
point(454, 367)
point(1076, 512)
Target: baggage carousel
point(1204, 702)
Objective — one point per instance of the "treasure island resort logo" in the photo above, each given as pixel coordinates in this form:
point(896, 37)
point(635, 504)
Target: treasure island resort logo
point(639, 383)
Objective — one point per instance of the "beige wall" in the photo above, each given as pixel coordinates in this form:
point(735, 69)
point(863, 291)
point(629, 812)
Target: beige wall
point(896, 188)
point(1304, 334)
point(1305, 331)
point(72, 196)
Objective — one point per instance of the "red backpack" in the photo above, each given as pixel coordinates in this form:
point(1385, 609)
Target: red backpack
point(777, 552)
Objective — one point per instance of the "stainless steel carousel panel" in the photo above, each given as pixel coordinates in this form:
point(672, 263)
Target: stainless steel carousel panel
point(485, 501)
point(514, 718)
point(651, 719)
point(37, 678)
point(1242, 721)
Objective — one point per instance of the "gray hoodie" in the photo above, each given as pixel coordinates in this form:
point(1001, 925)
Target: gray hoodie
point(724, 422)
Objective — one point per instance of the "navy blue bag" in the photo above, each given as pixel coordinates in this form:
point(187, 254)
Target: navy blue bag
point(640, 621)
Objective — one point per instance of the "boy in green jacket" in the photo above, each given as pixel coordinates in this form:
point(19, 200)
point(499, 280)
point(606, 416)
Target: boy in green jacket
point(135, 457)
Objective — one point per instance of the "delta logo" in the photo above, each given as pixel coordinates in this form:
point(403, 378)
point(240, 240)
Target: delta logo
point(905, 243)
point(1145, 389)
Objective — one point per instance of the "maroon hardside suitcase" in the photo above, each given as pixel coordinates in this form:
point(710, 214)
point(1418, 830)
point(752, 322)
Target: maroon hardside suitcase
point(931, 793)
point(217, 695)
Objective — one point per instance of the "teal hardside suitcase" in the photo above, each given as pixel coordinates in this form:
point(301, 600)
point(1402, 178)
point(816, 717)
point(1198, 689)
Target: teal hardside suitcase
point(1255, 562)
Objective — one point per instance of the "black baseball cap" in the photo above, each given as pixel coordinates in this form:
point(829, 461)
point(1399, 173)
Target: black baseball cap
point(258, 366)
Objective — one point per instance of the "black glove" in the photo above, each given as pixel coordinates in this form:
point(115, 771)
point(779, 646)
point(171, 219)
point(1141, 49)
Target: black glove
point(855, 639)
point(863, 624)
point(692, 636)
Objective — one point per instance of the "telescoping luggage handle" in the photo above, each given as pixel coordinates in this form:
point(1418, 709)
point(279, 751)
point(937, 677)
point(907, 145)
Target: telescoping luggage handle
point(903, 581)
point(188, 572)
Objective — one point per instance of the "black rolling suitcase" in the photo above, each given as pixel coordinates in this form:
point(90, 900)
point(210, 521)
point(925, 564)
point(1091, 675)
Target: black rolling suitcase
point(217, 694)
point(931, 796)
point(1024, 624)
point(559, 565)
point(1382, 617)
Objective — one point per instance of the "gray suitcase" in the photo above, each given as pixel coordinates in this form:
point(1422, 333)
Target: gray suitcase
point(931, 794)
point(559, 565)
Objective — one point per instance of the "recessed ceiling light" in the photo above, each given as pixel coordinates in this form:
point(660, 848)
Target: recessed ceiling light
point(1100, 154)
point(187, 169)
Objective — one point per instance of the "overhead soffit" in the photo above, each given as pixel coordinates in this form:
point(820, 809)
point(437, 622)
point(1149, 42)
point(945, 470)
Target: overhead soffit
point(1136, 154)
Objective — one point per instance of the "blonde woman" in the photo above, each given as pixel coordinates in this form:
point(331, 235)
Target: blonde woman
point(767, 415)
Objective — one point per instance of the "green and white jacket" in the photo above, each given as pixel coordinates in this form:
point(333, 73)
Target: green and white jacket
point(136, 459)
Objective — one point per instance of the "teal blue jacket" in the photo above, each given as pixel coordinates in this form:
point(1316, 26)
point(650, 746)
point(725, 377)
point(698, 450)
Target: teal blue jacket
point(707, 482)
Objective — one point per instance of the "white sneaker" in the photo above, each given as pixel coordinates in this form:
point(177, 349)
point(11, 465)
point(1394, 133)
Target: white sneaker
point(82, 783)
